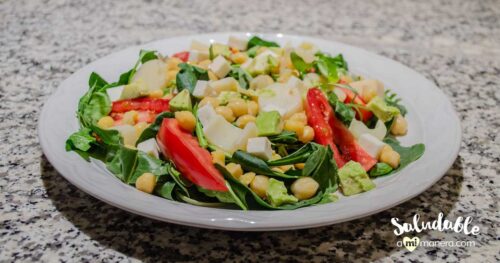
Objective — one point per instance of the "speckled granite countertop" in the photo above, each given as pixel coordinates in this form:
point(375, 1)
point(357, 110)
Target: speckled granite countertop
point(44, 218)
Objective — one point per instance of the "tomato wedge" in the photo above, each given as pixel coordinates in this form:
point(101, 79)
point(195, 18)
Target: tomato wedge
point(365, 114)
point(141, 104)
point(184, 56)
point(319, 112)
point(193, 161)
point(348, 146)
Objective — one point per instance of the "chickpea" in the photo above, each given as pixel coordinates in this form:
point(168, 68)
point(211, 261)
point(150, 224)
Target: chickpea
point(146, 183)
point(218, 157)
point(259, 185)
point(304, 188)
point(214, 101)
point(204, 64)
point(239, 58)
point(234, 169)
point(300, 117)
point(400, 126)
point(186, 120)
point(244, 120)
point(105, 122)
point(140, 127)
point(156, 94)
point(295, 126)
point(247, 178)
point(307, 134)
point(238, 106)
point(260, 82)
point(130, 117)
point(253, 108)
point(225, 112)
point(300, 166)
point(212, 76)
point(390, 157)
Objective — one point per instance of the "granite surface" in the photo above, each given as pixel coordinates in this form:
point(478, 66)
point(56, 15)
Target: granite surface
point(43, 218)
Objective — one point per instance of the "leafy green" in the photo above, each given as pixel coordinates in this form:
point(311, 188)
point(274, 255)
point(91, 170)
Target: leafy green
point(166, 190)
point(95, 103)
point(153, 128)
point(342, 111)
point(285, 137)
point(407, 154)
point(81, 140)
point(108, 137)
point(300, 64)
point(329, 196)
point(330, 67)
point(196, 202)
point(123, 163)
point(224, 197)
point(251, 163)
point(380, 169)
point(392, 99)
point(299, 156)
point(188, 76)
point(147, 164)
point(338, 60)
point(257, 41)
point(321, 167)
point(241, 75)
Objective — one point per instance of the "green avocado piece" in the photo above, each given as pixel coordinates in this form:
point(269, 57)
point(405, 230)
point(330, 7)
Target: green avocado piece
point(225, 96)
point(181, 102)
point(268, 123)
point(217, 49)
point(354, 179)
point(261, 64)
point(277, 193)
point(134, 90)
point(383, 111)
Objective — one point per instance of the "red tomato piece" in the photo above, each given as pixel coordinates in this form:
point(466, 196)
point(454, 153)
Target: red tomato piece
point(184, 56)
point(365, 114)
point(141, 104)
point(193, 161)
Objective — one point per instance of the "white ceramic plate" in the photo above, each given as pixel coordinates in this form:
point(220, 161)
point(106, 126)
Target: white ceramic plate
point(431, 120)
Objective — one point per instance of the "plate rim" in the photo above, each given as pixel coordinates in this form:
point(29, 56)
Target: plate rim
point(245, 226)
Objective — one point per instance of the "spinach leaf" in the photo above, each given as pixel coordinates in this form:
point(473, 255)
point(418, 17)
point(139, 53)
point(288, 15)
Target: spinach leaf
point(95, 103)
point(166, 190)
point(338, 60)
point(257, 41)
point(188, 76)
point(81, 140)
point(251, 163)
point(199, 129)
point(407, 154)
point(345, 113)
point(299, 156)
point(286, 137)
point(144, 56)
point(380, 169)
point(196, 202)
point(147, 164)
point(108, 137)
point(330, 67)
point(123, 163)
point(153, 128)
point(176, 176)
point(300, 64)
point(392, 100)
point(322, 168)
point(329, 196)
point(234, 195)
point(241, 75)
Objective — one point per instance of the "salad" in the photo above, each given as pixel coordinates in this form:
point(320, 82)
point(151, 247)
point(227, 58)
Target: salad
point(248, 124)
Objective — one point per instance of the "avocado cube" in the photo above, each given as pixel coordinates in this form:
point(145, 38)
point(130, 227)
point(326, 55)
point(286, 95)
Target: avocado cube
point(354, 179)
point(383, 111)
point(269, 123)
point(217, 49)
point(181, 102)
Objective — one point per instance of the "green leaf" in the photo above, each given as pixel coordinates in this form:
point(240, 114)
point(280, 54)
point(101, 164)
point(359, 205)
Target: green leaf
point(196, 202)
point(147, 164)
point(95, 103)
point(251, 163)
point(96, 81)
point(391, 99)
point(166, 190)
point(299, 156)
point(199, 129)
point(81, 140)
point(123, 163)
point(407, 154)
point(257, 41)
point(329, 66)
point(380, 169)
point(108, 137)
point(286, 137)
point(321, 167)
point(153, 128)
point(188, 76)
point(345, 113)
point(329, 196)
point(300, 64)
point(241, 75)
